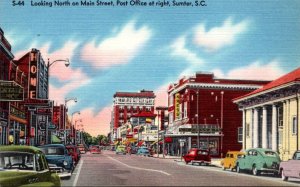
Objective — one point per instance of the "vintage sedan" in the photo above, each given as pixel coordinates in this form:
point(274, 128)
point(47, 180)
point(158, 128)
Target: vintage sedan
point(59, 159)
point(259, 160)
point(143, 151)
point(74, 152)
point(25, 166)
point(200, 156)
point(121, 149)
point(95, 150)
point(229, 162)
point(291, 168)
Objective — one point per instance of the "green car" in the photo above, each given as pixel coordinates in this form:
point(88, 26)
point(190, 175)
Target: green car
point(25, 166)
point(121, 149)
point(258, 161)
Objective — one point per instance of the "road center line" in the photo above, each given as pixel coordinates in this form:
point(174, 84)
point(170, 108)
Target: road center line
point(133, 167)
point(78, 173)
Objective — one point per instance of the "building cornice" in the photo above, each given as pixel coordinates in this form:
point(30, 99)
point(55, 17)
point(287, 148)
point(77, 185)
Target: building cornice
point(216, 86)
point(6, 51)
point(266, 91)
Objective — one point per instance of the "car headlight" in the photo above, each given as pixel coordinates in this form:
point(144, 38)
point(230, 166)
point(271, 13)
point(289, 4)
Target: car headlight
point(65, 163)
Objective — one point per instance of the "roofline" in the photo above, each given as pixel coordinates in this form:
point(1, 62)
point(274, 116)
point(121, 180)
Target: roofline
point(214, 86)
point(265, 91)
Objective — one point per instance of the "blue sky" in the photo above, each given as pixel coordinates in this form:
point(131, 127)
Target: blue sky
point(132, 48)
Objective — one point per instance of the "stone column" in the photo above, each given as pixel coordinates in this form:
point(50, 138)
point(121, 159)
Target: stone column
point(274, 128)
point(264, 129)
point(255, 128)
point(244, 130)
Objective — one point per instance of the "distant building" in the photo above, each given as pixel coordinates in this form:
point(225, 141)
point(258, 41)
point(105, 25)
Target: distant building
point(127, 104)
point(202, 104)
point(271, 116)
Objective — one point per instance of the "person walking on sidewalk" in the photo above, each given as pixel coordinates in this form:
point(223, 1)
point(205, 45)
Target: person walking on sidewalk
point(129, 150)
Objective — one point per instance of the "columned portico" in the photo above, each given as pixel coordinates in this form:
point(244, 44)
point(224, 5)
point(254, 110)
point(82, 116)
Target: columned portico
point(272, 114)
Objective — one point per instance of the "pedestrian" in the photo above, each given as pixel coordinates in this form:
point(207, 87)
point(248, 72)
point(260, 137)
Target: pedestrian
point(129, 150)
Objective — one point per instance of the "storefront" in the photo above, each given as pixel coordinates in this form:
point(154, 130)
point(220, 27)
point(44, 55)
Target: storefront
point(17, 126)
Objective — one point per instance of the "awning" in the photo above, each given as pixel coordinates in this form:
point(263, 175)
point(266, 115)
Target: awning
point(55, 139)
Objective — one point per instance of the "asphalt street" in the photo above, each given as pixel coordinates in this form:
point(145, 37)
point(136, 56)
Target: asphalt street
point(109, 169)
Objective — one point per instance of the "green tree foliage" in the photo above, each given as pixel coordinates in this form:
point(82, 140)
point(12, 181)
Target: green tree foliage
point(90, 140)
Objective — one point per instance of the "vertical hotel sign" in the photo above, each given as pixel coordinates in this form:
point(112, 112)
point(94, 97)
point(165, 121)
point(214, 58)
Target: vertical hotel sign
point(33, 75)
point(177, 104)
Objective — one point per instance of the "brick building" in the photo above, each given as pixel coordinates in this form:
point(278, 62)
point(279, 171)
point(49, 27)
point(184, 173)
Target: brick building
point(127, 104)
point(201, 107)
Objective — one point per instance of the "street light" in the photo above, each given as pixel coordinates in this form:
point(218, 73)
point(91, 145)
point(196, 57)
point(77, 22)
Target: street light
point(72, 127)
point(66, 101)
point(67, 62)
point(75, 128)
point(49, 64)
point(197, 116)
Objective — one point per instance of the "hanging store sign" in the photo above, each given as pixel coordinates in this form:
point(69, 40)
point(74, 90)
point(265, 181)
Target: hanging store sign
point(11, 91)
point(33, 76)
point(177, 106)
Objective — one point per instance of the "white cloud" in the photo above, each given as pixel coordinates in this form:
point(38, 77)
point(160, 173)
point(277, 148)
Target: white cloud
point(179, 49)
point(254, 71)
point(218, 37)
point(98, 123)
point(118, 49)
point(72, 78)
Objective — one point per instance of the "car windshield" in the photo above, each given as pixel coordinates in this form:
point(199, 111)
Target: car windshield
point(297, 156)
point(270, 153)
point(53, 150)
point(16, 160)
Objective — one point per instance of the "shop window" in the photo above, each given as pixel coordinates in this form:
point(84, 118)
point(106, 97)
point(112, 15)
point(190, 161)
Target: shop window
point(240, 134)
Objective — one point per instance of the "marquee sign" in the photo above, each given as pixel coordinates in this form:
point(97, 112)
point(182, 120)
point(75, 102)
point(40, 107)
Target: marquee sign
point(177, 105)
point(11, 91)
point(33, 69)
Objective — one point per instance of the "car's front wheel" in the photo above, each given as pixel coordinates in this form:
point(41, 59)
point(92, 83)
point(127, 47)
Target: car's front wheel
point(283, 177)
point(238, 169)
point(255, 172)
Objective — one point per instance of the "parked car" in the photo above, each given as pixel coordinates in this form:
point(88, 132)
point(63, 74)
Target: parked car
point(134, 149)
point(291, 168)
point(25, 165)
point(74, 152)
point(81, 149)
point(143, 151)
point(196, 155)
point(259, 160)
point(95, 150)
point(59, 159)
point(229, 162)
point(121, 149)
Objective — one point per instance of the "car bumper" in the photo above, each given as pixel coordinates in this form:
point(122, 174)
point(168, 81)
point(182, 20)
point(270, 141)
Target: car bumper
point(269, 170)
point(201, 161)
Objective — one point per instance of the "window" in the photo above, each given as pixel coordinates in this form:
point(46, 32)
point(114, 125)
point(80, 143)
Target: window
point(248, 130)
point(185, 110)
point(240, 134)
point(171, 100)
point(39, 162)
point(171, 117)
point(294, 125)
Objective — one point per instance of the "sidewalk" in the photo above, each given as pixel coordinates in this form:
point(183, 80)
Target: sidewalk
point(214, 161)
point(166, 156)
